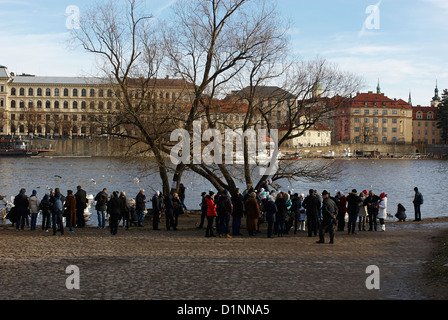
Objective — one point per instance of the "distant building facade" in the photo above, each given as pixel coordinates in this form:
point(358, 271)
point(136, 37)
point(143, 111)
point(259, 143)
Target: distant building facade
point(373, 118)
point(67, 106)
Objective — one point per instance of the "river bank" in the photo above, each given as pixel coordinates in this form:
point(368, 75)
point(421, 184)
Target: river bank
point(143, 264)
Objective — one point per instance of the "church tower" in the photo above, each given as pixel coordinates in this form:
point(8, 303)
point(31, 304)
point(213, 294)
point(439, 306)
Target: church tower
point(436, 99)
point(378, 88)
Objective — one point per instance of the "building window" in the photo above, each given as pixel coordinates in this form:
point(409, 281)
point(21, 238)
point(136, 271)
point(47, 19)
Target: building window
point(419, 115)
point(22, 92)
point(1, 103)
point(384, 130)
point(13, 104)
point(56, 92)
point(13, 91)
point(394, 112)
point(31, 92)
point(394, 130)
point(65, 92)
point(48, 92)
point(366, 112)
point(75, 105)
point(83, 105)
point(394, 120)
point(92, 93)
point(56, 104)
point(83, 93)
point(39, 104)
point(65, 104)
point(430, 115)
point(48, 104)
point(75, 92)
point(39, 92)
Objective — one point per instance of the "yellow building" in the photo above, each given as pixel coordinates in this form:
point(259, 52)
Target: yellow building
point(70, 106)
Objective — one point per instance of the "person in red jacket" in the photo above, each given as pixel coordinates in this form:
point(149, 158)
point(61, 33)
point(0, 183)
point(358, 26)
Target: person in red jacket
point(211, 214)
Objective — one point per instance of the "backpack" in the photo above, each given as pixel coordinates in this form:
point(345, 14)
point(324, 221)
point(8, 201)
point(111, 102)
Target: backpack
point(58, 205)
point(421, 198)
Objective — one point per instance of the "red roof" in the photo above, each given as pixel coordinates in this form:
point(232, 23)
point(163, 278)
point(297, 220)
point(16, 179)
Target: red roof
point(380, 99)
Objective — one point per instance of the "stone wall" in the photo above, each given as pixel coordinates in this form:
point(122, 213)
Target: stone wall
point(119, 148)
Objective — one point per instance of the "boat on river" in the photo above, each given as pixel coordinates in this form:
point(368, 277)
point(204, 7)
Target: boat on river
point(16, 147)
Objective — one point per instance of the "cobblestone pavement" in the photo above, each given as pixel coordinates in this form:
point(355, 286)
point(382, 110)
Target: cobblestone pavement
point(142, 264)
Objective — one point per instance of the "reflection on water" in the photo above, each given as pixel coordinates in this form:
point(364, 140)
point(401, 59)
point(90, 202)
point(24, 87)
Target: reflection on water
point(397, 178)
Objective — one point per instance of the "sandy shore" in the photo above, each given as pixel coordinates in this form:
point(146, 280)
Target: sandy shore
point(144, 264)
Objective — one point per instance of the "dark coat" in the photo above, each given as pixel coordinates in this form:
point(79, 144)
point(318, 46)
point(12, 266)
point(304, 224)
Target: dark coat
point(353, 204)
point(21, 204)
point(238, 206)
point(114, 208)
point(140, 201)
point(99, 196)
point(329, 210)
point(169, 207)
point(271, 210)
point(281, 209)
point(372, 204)
point(81, 200)
point(156, 204)
point(312, 205)
point(295, 207)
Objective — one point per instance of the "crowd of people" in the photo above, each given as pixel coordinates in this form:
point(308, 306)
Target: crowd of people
point(282, 212)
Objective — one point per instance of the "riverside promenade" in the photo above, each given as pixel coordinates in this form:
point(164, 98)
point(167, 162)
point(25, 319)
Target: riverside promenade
point(142, 264)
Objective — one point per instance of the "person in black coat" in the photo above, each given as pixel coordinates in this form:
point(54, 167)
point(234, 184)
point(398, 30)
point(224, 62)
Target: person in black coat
point(295, 210)
point(329, 213)
point(203, 206)
point(270, 209)
point(237, 214)
point(372, 209)
point(81, 205)
point(312, 205)
point(353, 205)
point(280, 217)
point(21, 207)
point(169, 211)
point(45, 206)
point(114, 210)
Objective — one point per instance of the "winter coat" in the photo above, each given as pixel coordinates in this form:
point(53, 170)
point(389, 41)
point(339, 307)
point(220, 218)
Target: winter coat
point(211, 207)
point(178, 208)
point(281, 210)
point(140, 201)
point(353, 202)
point(382, 208)
point(45, 205)
point(252, 209)
point(238, 206)
point(271, 209)
point(101, 197)
point(21, 204)
point(33, 204)
point(329, 209)
point(70, 210)
point(362, 208)
point(312, 205)
point(81, 200)
point(295, 207)
point(372, 204)
point(114, 206)
point(156, 205)
point(169, 206)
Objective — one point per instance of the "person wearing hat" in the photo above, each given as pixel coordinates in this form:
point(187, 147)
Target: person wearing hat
point(353, 205)
point(372, 209)
point(329, 213)
point(34, 204)
point(382, 211)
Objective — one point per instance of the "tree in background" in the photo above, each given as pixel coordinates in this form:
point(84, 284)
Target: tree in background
point(442, 116)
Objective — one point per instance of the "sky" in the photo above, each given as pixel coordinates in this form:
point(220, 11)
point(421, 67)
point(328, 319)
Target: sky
point(400, 43)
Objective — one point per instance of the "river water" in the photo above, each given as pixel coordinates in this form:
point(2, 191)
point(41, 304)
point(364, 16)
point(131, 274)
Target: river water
point(397, 178)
